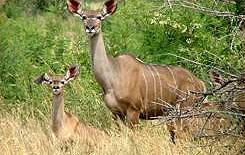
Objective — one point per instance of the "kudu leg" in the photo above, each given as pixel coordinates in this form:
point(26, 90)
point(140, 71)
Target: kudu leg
point(178, 129)
point(172, 131)
point(113, 105)
point(133, 117)
point(119, 119)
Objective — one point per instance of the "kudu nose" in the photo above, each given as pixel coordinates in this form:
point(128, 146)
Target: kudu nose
point(90, 28)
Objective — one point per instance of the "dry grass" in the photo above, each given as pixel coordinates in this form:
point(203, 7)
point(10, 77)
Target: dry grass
point(32, 137)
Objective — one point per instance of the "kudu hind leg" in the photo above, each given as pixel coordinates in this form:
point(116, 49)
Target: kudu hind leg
point(178, 128)
point(171, 127)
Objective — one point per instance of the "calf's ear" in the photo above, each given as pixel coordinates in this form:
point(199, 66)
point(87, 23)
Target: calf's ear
point(72, 72)
point(74, 7)
point(43, 79)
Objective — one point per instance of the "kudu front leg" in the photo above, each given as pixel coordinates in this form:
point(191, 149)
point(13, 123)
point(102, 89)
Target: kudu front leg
point(119, 120)
point(132, 117)
point(112, 103)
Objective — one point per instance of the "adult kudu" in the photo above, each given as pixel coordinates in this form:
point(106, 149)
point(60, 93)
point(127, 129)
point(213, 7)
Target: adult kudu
point(130, 86)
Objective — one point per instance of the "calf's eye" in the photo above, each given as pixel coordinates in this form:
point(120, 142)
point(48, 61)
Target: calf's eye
point(84, 17)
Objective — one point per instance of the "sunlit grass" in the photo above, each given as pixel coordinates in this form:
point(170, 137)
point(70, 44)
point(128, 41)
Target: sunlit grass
point(34, 137)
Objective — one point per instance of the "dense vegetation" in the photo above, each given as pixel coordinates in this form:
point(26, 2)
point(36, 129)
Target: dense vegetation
point(41, 36)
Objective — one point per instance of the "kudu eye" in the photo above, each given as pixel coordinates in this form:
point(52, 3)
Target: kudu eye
point(62, 82)
point(99, 17)
point(84, 17)
point(50, 82)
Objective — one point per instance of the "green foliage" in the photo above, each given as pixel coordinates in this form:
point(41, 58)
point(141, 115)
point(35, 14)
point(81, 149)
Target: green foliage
point(40, 36)
point(35, 45)
point(15, 8)
point(176, 36)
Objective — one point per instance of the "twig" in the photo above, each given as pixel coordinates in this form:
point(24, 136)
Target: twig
point(201, 130)
point(209, 11)
point(230, 113)
point(220, 134)
point(198, 114)
point(198, 63)
point(168, 118)
point(235, 32)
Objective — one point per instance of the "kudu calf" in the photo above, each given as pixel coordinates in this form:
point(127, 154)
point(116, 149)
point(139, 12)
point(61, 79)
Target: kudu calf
point(131, 87)
point(65, 125)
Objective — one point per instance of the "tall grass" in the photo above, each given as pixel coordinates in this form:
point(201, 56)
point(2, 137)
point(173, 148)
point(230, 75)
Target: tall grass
point(35, 137)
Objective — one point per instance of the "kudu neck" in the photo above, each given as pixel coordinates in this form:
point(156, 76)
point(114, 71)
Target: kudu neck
point(101, 63)
point(58, 110)
point(97, 50)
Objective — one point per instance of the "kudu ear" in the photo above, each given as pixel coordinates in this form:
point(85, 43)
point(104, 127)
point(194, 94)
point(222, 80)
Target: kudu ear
point(72, 72)
point(242, 77)
point(43, 79)
point(216, 78)
point(74, 7)
point(109, 8)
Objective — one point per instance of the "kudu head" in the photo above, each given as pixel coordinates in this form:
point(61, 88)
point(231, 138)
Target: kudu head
point(57, 82)
point(92, 18)
point(216, 78)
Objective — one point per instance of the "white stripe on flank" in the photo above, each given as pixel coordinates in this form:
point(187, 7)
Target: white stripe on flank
point(204, 87)
point(142, 105)
point(154, 82)
point(192, 81)
point(159, 78)
point(181, 91)
point(146, 89)
point(173, 78)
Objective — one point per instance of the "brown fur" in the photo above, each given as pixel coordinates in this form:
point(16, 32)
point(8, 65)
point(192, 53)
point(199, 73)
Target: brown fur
point(73, 129)
point(135, 77)
point(65, 125)
point(238, 102)
point(130, 86)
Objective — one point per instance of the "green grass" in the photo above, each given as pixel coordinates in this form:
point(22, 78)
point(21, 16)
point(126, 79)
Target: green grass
point(32, 44)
